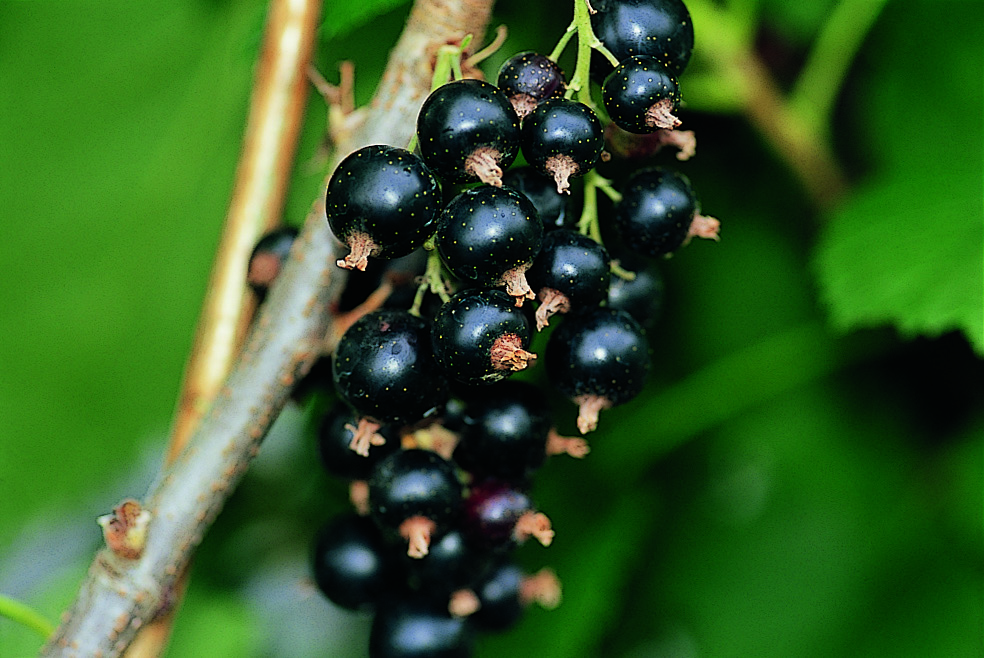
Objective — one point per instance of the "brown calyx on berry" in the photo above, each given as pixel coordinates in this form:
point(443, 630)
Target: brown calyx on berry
point(516, 284)
point(435, 437)
point(361, 247)
point(263, 269)
point(534, 524)
point(684, 140)
point(508, 353)
point(523, 104)
point(417, 530)
point(574, 446)
point(463, 603)
point(483, 163)
point(704, 227)
point(660, 115)
point(125, 529)
point(633, 146)
point(589, 406)
point(365, 435)
point(551, 302)
point(359, 496)
point(562, 168)
point(543, 587)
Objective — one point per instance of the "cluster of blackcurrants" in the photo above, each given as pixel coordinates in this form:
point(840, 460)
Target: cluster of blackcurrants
point(440, 450)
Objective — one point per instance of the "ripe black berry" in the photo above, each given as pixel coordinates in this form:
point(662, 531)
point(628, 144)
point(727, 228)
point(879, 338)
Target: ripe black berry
point(598, 359)
point(490, 235)
point(539, 188)
point(468, 132)
point(506, 591)
point(641, 297)
point(641, 95)
point(658, 28)
point(563, 139)
point(480, 337)
point(350, 562)
point(452, 563)
point(412, 627)
point(529, 78)
point(572, 271)
point(500, 516)
point(505, 433)
point(385, 370)
point(381, 201)
point(336, 436)
point(414, 494)
point(658, 213)
point(268, 257)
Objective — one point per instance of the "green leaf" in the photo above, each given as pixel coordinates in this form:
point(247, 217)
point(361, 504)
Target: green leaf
point(343, 17)
point(906, 251)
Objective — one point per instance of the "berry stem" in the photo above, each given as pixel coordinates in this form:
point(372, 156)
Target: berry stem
point(434, 279)
point(25, 615)
point(588, 223)
point(586, 42)
point(447, 66)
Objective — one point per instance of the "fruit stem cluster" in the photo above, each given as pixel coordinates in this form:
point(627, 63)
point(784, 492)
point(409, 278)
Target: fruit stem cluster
point(586, 42)
point(447, 66)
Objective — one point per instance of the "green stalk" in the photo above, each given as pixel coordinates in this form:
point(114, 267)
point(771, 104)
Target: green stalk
point(25, 615)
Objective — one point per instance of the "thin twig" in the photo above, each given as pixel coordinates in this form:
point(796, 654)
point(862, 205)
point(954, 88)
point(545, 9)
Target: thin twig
point(120, 595)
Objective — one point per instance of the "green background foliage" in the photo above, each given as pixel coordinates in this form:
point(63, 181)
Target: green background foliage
point(802, 476)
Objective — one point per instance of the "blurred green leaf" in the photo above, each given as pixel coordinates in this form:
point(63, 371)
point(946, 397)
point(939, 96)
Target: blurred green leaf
point(905, 249)
point(340, 18)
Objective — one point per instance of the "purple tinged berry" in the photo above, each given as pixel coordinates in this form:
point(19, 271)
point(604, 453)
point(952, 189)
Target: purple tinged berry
point(528, 79)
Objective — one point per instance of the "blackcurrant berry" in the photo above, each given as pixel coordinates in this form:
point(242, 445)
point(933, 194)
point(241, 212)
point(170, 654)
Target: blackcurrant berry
point(385, 370)
point(451, 564)
point(539, 188)
point(505, 433)
point(658, 213)
point(268, 257)
point(563, 139)
point(641, 297)
point(658, 28)
point(480, 337)
point(336, 435)
point(505, 593)
point(528, 78)
point(351, 565)
point(413, 627)
point(468, 132)
point(415, 495)
point(641, 95)
point(572, 271)
point(499, 516)
point(381, 201)
point(598, 359)
point(489, 236)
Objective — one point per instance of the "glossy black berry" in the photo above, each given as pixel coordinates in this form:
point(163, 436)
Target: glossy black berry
point(501, 597)
point(658, 28)
point(572, 272)
point(414, 627)
point(351, 565)
point(480, 337)
point(499, 516)
point(384, 369)
point(504, 434)
point(452, 563)
point(551, 205)
point(468, 132)
point(414, 495)
point(336, 434)
point(641, 96)
point(381, 201)
point(658, 213)
point(641, 297)
point(563, 139)
point(598, 359)
point(489, 236)
point(268, 257)
point(529, 78)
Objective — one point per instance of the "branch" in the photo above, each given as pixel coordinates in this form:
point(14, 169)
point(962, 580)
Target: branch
point(120, 595)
